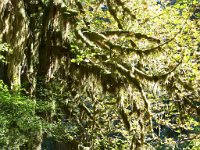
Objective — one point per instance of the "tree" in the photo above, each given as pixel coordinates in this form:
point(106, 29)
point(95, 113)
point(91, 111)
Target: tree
point(106, 74)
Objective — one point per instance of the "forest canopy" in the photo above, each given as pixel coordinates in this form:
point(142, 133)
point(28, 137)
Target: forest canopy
point(86, 74)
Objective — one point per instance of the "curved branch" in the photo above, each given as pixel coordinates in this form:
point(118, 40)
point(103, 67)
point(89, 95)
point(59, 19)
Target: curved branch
point(102, 36)
point(82, 11)
point(101, 40)
point(85, 39)
point(130, 33)
point(155, 77)
point(132, 79)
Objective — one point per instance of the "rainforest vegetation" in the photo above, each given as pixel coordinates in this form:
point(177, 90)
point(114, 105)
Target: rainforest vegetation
point(99, 74)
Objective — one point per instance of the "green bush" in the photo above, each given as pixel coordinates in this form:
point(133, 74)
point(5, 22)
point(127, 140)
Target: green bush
point(17, 117)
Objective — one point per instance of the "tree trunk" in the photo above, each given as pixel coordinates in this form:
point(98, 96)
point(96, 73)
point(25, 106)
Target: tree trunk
point(14, 31)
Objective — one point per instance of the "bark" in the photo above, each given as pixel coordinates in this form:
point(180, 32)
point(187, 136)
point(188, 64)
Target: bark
point(14, 31)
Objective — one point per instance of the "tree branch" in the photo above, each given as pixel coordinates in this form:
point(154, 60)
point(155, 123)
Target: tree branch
point(113, 13)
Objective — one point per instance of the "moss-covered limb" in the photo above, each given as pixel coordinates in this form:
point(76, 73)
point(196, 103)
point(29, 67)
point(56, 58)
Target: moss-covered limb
point(156, 48)
point(160, 76)
point(120, 47)
point(125, 118)
point(138, 72)
point(132, 79)
point(142, 130)
point(139, 36)
point(96, 38)
point(104, 42)
point(94, 41)
point(113, 13)
point(118, 33)
point(95, 35)
point(84, 39)
point(150, 50)
point(136, 83)
point(68, 13)
point(126, 9)
point(130, 34)
point(125, 72)
point(110, 80)
point(102, 71)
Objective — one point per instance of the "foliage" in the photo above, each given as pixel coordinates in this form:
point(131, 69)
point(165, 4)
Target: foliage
point(138, 42)
point(18, 120)
point(111, 75)
point(4, 47)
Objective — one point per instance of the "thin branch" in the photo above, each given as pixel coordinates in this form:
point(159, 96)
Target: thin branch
point(155, 77)
point(132, 79)
point(126, 9)
point(85, 39)
point(113, 13)
point(130, 33)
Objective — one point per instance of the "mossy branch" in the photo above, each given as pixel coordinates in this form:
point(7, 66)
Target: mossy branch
point(113, 13)
point(101, 40)
point(126, 9)
point(130, 34)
